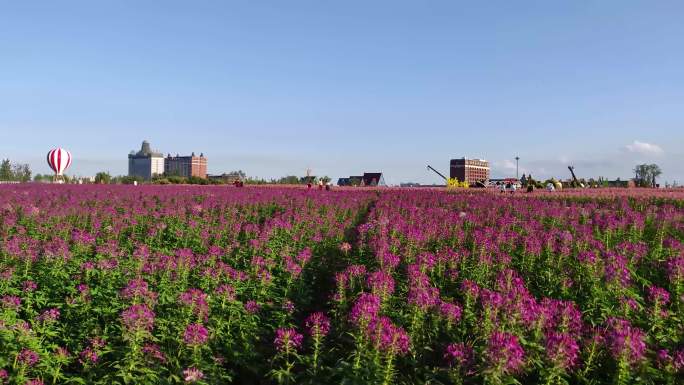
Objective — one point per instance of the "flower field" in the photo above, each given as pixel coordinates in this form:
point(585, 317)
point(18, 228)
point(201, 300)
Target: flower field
point(214, 285)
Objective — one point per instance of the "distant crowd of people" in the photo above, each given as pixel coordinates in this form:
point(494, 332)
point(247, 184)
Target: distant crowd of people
point(321, 185)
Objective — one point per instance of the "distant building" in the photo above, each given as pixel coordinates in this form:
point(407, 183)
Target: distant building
point(621, 183)
point(145, 163)
point(226, 178)
point(186, 166)
point(367, 179)
point(373, 179)
point(469, 170)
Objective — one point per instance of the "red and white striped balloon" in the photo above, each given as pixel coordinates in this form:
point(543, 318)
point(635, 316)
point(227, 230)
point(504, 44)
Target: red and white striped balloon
point(59, 160)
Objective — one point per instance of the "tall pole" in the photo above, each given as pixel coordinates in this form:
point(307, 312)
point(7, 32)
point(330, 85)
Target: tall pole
point(517, 158)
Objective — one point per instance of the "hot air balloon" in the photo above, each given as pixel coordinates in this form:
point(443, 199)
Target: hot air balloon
point(59, 160)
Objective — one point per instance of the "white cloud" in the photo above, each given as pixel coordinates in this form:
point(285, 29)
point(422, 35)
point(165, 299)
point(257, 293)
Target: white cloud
point(644, 148)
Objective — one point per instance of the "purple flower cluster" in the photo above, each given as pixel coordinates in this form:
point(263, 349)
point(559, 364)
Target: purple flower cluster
point(50, 315)
point(192, 375)
point(287, 339)
point(625, 341)
point(381, 283)
point(195, 335)
point(226, 291)
point(458, 354)
point(504, 352)
point(252, 307)
point(29, 286)
point(658, 295)
point(317, 324)
point(138, 318)
point(153, 351)
point(137, 290)
point(451, 312)
point(28, 357)
point(11, 302)
point(196, 300)
point(365, 309)
point(388, 337)
point(562, 350)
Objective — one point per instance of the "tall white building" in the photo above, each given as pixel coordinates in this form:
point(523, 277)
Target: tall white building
point(145, 163)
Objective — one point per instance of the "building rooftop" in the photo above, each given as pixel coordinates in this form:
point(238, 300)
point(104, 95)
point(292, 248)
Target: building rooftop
point(146, 151)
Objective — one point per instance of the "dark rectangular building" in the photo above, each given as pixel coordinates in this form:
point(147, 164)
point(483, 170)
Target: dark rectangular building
point(469, 170)
point(186, 166)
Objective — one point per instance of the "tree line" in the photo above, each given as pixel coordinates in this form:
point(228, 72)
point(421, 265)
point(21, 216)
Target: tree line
point(20, 172)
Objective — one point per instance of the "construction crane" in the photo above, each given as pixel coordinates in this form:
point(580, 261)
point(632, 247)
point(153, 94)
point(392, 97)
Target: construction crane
point(574, 178)
point(437, 172)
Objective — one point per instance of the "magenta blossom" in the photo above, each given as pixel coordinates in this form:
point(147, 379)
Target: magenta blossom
point(658, 295)
point(562, 350)
point(138, 318)
point(365, 309)
point(195, 335)
point(11, 302)
point(388, 337)
point(504, 352)
point(458, 354)
point(287, 339)
point(317, 324)
point(29, 286)
point(192, 375)
point(28, 357)
point(153, 351)
point(625, 341)
point(49, 315)
point(252, 307)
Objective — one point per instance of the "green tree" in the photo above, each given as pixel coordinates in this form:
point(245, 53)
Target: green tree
point(103, 177)
point(6, 170)
point(290, 179)
point(645, 175)
point(21, 172)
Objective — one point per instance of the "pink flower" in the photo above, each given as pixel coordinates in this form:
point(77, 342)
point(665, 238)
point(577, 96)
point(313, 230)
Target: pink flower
point(562, 350)
point(625, 341)
point(345, 247)
point(197, 300)
point(504, 352)
point(138, 318)
point(381, 283)
point(11, 302)
point(28, 357)
point(388, 337)
point(658, 295)
point(29, 286)
point(287, 339)
point(49, 315)
point(153, 351)
point(365, 309)
point(317, 324)
point(192, 375)
point(451, 312)
point(195, 335)
point(226, 291)
point(252, 307)
point(458, 354)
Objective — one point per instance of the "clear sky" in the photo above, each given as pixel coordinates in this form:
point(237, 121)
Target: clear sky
point(342, 87)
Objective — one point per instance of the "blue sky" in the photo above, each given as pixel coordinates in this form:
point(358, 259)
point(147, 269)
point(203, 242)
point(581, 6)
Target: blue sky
point(274, 87)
